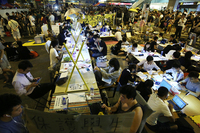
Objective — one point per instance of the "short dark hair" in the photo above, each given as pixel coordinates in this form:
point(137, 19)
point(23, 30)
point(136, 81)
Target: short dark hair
point(96, 36)
point(54, 43)
point(162, 91)
point(131, 66)
point(176, 64)
point(115, 63)
point(149, 58)
point(124, 39)
point(172, 35)
point(7, 102)
point(134, 45)
point(90, 33)
point(24, 65)
point(155, 38)
point(188, 54)
point(176, 54)
point(193, 74)
point(149, 83)
point(129, 91)
point(161, 34)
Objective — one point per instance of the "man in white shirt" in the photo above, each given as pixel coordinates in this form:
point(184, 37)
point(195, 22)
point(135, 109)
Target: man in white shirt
point(51, 19)
point(118, 35)
point(32, 22)
point(14, 28)
point(181, 24)
point(175, 72)
point(148, 64)
point(24, 83)
point(54, 56)
point(161, 109)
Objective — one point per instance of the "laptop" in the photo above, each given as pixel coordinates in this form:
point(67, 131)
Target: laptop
point(178, 103)
point(166, 84)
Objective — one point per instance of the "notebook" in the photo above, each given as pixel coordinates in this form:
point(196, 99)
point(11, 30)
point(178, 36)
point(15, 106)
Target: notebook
point(178, 103)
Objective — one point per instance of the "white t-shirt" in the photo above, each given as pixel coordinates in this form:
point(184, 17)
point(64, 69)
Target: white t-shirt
point(131, 50)
point(32, 20)
point(47, 45)
point(51, 17)
point(53, 59)
point(160, 108)
point(118, 35)
point(147, 66)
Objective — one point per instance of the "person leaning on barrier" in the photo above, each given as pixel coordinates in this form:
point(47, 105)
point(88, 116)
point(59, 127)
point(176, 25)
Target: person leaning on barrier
point(127, 103)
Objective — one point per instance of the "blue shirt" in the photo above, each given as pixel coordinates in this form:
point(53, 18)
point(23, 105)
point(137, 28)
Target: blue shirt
point(195, 87)
point(12, 127)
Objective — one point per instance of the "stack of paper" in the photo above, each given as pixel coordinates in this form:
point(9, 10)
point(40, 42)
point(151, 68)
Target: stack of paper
point(76, 97)
point(141, 75)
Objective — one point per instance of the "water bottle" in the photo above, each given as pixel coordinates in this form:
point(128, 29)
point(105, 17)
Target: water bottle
point(161, 53)
point(92, 91)
point(64, 101)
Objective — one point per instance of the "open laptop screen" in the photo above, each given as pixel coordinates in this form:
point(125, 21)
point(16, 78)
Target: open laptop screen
point(164, 83)
point(179, 102)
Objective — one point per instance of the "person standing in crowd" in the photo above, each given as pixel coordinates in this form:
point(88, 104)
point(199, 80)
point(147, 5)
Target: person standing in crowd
point(32, 23)
point(14, 25)
point(158, 105)
point(52, 19)
point(24, 83)
point(11, 114)
point(181, 24)
point(127, 103)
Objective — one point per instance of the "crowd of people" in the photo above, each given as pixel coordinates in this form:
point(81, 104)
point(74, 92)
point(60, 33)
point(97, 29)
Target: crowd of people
point(25, 84)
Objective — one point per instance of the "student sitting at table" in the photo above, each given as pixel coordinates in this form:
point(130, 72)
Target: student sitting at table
point(169, 63)
point(124, 41)
point(128, 74)
point(172, 39)
point(145, 89)
point(87, 31)
point(147, 47)
point(175, 72)
point(90, 37)
point(186, 61)
point(192, 83)
point(127, 103)
point(55, 58)
point(116, 50)
point(160, 38)
point(118, 35)
point(183, 42)
point(103, 29)
point(112, 72)
point(161, 109)
point(148, 64)
point(98, 47)
point(154, 44)
point(130, 58)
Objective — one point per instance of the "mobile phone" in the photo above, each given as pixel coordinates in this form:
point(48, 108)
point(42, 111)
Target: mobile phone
point(38, 80)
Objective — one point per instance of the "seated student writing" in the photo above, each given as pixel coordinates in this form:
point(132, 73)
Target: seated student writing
point(128, 75)
point(112, 72)
point(160, 37)
point(127, 103)
point(98, 47)
point(145, 89)
point(161, 109)
point(148, 64)
point(130, 58)
point(124, 41)
point(175, 72)
point(192, 83)
point(116, 50)
point(169, 63)
point(172, 39)
point(154, 44)
point(147, 47)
